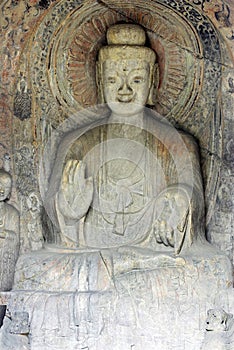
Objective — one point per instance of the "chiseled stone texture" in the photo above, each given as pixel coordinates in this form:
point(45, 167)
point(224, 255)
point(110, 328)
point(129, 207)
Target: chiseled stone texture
point(126, 297)
point(162, 306)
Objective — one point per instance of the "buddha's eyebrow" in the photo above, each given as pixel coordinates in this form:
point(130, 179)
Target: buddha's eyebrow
point(137, 69)
point(139, 72)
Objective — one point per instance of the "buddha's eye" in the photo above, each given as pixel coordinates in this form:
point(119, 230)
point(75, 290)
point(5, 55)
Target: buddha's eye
point(138, 80)
point(111, 80)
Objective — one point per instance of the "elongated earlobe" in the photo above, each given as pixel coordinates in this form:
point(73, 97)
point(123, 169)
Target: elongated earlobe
point(99, 83)
point(154, 79)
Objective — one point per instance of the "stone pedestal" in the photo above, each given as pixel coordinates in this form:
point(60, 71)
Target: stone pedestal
point(84, 300)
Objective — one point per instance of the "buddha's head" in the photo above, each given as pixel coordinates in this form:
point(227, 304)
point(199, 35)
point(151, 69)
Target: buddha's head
point(5, 184)
point(126, 70)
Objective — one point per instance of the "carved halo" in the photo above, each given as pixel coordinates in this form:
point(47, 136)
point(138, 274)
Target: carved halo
point(74, 51)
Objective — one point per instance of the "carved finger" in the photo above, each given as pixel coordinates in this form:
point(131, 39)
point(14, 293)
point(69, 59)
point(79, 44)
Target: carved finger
point(89, 189)
point(71, 174)
point(162, 232)
point(66, 172)
point(80, 175)
point(158, 239)
point(170, 237)
point(83, 199)
point(77, 170)
point(163, 239)
point(156, 231)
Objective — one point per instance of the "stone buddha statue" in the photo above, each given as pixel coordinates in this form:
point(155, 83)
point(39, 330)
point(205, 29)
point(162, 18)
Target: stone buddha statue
point(139, 183)
point(127, 190)
point(126, 196)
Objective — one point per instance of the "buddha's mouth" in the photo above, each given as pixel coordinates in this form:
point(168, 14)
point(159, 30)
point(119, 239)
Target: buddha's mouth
point(125, 98)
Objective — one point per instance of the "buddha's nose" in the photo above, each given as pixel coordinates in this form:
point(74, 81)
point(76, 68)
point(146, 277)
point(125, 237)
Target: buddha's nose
point(125, 89)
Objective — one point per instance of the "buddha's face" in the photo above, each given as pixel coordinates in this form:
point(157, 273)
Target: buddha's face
point(126, 85)
point(5, 186)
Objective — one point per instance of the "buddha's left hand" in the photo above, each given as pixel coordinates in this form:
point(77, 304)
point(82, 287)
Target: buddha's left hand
point(171, 209)
point(164, 233)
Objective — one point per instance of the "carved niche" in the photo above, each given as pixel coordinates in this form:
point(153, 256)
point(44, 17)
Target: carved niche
point(60, 72)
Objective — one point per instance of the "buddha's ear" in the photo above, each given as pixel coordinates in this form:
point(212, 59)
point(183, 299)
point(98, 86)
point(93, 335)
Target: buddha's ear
point(154, 81)
point(99, 83)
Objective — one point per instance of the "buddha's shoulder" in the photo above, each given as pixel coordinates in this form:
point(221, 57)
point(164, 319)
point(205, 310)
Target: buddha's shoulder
point(160, 125)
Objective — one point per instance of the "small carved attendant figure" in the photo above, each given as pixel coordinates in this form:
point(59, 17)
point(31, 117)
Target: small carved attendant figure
point(34, 226)
point(9, 234)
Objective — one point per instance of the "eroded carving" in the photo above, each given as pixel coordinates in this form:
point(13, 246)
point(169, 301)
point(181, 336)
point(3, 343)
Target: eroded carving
point(9, 233)
point(20, 323)
point(123, 207)
point(22, 102)
point(122, 227)
point(14, 333)
point(35, 223)
point(9, 236)
point(219, 330)
point(127, 198)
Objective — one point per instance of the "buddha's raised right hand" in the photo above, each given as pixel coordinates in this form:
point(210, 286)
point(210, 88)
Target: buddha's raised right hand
point(76, 191)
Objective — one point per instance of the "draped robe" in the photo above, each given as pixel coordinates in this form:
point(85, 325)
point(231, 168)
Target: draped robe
point(131, 164)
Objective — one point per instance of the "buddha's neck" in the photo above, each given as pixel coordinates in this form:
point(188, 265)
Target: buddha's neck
point(135, 119)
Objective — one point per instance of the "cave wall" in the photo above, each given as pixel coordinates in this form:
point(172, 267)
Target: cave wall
point(31, 33)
